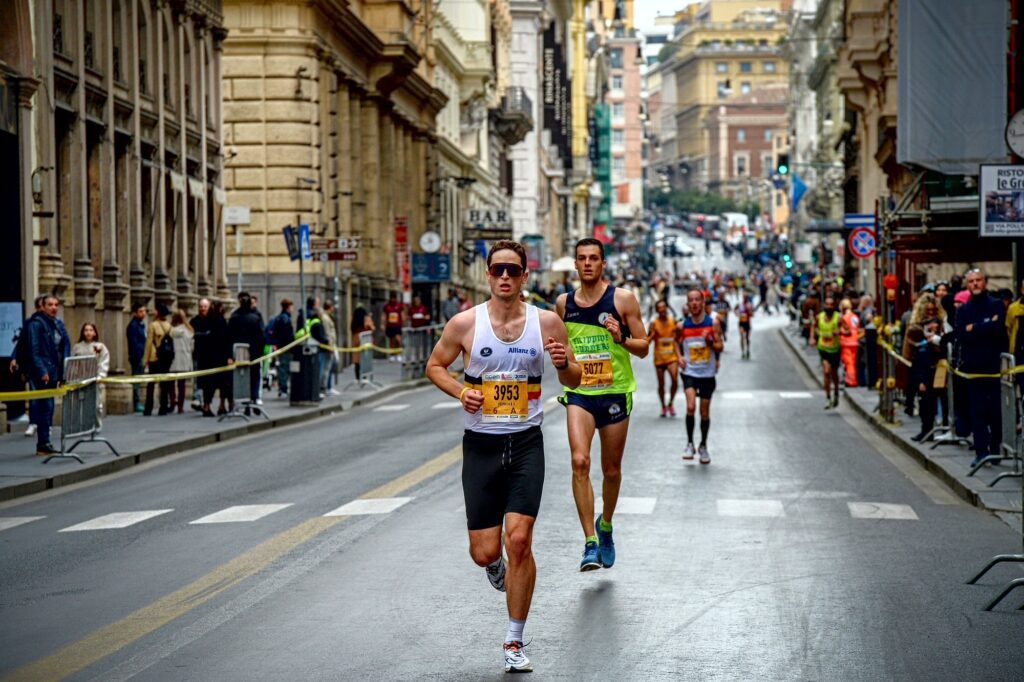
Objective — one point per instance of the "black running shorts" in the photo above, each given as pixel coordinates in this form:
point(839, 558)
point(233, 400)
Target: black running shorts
point(705, 386)
point(831, 357)
point(605, 408)
point(501, 473)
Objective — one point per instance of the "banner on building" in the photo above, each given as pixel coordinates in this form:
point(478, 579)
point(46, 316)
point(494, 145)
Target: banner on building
point(1001, 193)
point(402, 257)
point(428, 268)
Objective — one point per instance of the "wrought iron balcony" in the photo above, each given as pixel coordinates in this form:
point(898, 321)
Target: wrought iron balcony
point(514, 118)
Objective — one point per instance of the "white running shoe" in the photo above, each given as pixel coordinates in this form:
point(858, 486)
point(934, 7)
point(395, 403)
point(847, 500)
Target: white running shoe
point(705, 457)
point(30, 430)
point(496, 576)
point(689, 453)
point(333, 391)
point(515, 660)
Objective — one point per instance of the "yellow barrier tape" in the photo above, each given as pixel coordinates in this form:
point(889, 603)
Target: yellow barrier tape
point(892, 351)
point(43, 393)
point(963, 375)
point(357, 349)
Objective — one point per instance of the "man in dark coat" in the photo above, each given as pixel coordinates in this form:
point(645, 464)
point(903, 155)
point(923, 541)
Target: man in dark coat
point(981, 331)
point(212, 349)
point(49, 345)
point(246, 326)
point(280, 333)
point(136, 334)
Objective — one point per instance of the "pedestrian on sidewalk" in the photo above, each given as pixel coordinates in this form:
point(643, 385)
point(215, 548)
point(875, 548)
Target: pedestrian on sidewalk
point(450, 307)
point(20, 363)
point(137, 334)
point(158, 358)
point(923, 342)
point(362, 321)
point(394, 320)
point(89, 344)
point(246, 326)
point(210, 349)
point(981, 329)
point(281, 332)
point(182, 337)
point(329, 360)
point(849, 341)
point(48, 346)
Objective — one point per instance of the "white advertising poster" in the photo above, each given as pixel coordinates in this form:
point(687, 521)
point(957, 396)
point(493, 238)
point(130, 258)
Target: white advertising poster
point(1002, 201)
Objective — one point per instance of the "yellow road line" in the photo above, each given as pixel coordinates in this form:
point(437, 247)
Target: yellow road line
point(110, 639)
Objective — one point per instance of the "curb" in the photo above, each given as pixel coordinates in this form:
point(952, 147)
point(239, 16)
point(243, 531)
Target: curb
point(967, 494)
point(88, 472)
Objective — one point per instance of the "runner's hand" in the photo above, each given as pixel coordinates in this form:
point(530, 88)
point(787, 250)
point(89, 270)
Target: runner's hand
point(612, 325)
point(556, 352)
point(473, 400)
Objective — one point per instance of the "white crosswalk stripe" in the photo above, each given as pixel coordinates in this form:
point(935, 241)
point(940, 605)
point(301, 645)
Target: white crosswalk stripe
point(446, 406)
point(116, 520)
point(630, 505)
point(241, 513)
point(882, 510)
point(738, 395)
point(15, 521)
point(795, 395)
point(377, 505)
point(756, 508)
point(390, 408)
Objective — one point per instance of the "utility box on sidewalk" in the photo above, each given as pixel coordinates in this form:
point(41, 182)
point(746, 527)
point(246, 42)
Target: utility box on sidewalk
point(305, 375)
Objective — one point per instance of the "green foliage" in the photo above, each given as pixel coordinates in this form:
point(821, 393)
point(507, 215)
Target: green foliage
point(667, 52)
point(684, 202)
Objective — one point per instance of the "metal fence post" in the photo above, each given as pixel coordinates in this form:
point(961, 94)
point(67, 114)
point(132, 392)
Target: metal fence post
point(80, 409)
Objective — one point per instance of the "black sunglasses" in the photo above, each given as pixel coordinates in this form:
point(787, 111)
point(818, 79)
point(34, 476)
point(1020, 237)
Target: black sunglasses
point(499, 269)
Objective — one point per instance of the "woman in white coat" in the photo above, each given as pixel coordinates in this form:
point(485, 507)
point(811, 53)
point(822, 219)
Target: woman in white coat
point(182, 335)
point(89, 344)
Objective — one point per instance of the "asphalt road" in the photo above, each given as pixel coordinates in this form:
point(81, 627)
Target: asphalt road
point(807, 550)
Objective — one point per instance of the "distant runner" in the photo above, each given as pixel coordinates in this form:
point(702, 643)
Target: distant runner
point(700, 342)
point(394, 317)
point(825, 328)
point(503, 342)
point(604, 328)
point(745, 312)
point(662, 333)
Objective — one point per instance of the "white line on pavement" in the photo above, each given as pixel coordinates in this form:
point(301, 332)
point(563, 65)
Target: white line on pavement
point(241, 513)
point(447, 405)
point(881, 510)
point(763, 508)
point(116, 520)
point(13, 521)
point(630, 505)
point(376, 505)
point(795, 395)
point(738, 395)
point(390, 408)
point(817, 495)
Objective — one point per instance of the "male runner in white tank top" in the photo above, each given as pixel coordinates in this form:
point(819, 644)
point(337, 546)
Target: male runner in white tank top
point(502, 343)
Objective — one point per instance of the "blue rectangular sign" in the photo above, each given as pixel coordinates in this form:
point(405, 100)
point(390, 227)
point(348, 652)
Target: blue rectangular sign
point(291, 241)
point(305, 246)
point(431, 267)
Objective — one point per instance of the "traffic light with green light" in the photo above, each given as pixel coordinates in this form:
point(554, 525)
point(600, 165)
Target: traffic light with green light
point(782, 165)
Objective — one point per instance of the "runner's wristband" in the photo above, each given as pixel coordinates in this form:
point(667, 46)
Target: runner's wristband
point(463, 392)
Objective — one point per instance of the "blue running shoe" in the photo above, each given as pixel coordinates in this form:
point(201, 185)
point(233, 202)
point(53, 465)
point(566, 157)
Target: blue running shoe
point(607, 545)
point(591, 558)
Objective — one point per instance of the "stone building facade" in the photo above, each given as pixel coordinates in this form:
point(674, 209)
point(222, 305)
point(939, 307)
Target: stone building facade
point(124, 164)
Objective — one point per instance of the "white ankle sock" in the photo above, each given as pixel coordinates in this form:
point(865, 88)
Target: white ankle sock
point(515, 630)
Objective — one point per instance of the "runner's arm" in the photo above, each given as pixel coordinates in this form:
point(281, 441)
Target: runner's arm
point(718, 344)
point(556, 343)
point(444, 354)
point(637, 344)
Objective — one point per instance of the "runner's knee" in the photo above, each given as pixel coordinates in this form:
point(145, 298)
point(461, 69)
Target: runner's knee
point(484, 554)
point(517, 544)
point(581, 463)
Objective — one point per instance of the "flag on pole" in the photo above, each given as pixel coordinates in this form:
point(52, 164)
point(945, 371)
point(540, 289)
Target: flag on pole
point(798, 189)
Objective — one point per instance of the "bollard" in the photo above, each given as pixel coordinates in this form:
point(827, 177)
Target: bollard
point(305, 375)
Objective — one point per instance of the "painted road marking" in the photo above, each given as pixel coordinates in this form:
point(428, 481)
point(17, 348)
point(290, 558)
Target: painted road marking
point(762, 508)
point(384, 505)
point(738, 395)
point(795, 395)
point(390, 408)
point(448, 405)
point(116, 520)
point(14, 521)
point(881, 510)
point(241, 513)
point(818, 495)
point(630, 505)
point(112, 638)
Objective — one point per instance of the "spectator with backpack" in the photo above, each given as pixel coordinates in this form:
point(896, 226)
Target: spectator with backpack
point(158, 358)
point(48, 346)
point(281, 332)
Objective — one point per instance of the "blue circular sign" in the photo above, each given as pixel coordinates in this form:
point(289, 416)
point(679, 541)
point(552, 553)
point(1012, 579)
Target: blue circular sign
point(863, 242)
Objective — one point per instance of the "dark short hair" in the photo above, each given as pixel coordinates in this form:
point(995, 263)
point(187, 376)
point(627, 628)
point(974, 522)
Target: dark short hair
point(589, 241)
point(311, 301)
point(286, 303)
point(244, 301)
point(507, 245)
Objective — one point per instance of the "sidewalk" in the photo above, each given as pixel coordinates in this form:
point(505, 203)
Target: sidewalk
point(141, 439)
point(949, 462)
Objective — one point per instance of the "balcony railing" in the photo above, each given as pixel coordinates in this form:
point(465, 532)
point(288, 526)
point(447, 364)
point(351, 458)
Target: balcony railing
point(514, 117)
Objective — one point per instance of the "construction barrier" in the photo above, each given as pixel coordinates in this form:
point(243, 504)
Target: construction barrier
point(80, 418)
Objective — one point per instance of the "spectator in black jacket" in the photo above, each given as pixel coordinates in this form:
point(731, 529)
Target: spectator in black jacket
point(246, 326)
point(981, 331)
point(280, 333)
point(136, 334)
point(211, 349)
point(48, 346)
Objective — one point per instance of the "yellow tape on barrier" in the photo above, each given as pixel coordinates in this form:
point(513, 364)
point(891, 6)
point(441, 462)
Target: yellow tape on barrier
point(963, 375)
point(892, 351)
point(357, 349)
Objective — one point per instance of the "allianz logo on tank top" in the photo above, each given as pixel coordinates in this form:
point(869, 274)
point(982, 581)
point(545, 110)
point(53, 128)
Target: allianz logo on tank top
point(512, 350)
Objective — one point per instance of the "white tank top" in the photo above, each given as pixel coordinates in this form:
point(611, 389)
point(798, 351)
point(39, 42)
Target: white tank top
point(508, 373)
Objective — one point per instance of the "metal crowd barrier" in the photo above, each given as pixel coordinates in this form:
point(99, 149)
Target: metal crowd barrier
point(241, 395)
point(80, 409)
point(1010, 414)
point(946, 434)
point(417, 345)
point(366, 377)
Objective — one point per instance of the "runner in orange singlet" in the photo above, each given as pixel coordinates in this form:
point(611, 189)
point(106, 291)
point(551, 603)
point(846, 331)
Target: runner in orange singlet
point(662, 333)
